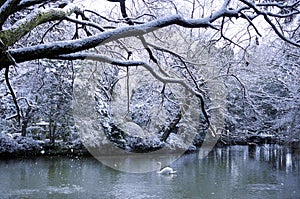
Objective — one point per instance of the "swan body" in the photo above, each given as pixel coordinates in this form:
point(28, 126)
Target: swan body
point(165, 170)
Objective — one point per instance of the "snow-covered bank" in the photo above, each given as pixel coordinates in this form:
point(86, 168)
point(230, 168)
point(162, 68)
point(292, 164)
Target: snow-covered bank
point(14, 145)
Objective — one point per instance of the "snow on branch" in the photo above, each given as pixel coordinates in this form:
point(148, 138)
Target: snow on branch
point(38, 17)
point(267, 16)
point(27, 3)
point(72, 46)
point(66, 47)
point(106, 59)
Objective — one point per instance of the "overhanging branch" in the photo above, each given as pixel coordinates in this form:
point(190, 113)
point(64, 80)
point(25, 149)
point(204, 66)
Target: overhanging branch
point(24, 26)
point(66, 47)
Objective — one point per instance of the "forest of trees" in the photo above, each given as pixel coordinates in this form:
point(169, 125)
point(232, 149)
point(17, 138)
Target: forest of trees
point(145, 73)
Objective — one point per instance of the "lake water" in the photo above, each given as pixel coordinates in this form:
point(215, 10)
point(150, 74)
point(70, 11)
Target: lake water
point(237, 172)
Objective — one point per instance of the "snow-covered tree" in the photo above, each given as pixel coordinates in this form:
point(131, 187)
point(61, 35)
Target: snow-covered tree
point(167, 39)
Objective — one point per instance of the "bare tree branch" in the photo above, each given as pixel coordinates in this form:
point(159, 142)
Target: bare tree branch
point(12, 93)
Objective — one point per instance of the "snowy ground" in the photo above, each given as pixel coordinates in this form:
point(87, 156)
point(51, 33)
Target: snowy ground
point(15, 145)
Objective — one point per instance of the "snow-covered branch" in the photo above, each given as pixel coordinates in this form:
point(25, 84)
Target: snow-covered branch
point(106, 59)
point(267, 18)
point(66, 47)
point(38, 17)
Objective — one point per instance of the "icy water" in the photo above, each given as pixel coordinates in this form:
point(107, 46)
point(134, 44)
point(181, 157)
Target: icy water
point(231, 172)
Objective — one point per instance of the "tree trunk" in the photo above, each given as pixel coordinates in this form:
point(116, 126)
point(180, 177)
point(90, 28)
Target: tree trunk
point(52, 128)
point(24, 127)
point(25, 121)
point(168, 130)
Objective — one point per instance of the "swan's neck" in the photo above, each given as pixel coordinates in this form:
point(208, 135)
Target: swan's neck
point(158, 166)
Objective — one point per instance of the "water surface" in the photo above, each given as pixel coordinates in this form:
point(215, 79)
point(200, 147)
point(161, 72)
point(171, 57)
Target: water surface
point(267, 171)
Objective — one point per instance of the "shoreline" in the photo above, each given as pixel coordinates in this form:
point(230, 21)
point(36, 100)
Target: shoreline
point(34, 148)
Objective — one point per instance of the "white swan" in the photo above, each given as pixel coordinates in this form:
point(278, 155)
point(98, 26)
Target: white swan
point(165, 170)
